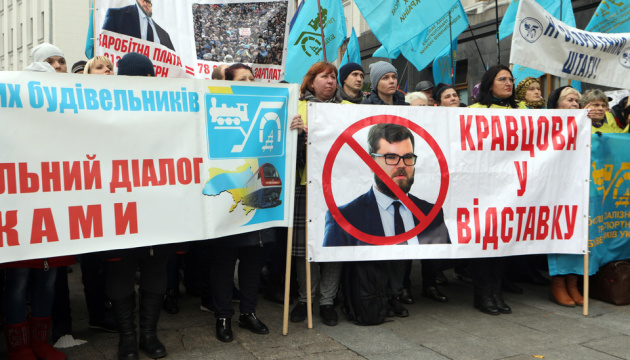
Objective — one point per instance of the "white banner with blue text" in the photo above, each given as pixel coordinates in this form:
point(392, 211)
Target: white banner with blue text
point(92, 163)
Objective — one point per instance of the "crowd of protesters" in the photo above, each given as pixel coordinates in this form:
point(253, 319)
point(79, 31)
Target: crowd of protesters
point(234, 33)
point(109, 277)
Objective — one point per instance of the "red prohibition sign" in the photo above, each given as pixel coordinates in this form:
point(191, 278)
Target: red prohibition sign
point(346, 137)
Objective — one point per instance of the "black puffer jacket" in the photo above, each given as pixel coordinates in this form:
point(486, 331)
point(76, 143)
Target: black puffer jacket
point(374, 99)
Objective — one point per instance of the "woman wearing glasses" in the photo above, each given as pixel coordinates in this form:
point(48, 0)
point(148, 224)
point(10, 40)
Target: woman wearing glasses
point(495, 92)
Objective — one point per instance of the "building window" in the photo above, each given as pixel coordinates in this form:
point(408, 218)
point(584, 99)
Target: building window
point(41, 26)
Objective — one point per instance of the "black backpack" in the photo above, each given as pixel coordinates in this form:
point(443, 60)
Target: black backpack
point(364, 289)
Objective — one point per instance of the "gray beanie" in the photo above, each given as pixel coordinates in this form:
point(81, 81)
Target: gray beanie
point(378, 70)
point(44, 51)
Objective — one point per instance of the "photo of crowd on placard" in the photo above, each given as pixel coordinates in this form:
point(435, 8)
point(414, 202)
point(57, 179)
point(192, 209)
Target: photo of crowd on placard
point(243, 32)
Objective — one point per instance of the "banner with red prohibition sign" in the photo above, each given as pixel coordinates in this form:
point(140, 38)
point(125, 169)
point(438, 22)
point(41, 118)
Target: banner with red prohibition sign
point(487, 182)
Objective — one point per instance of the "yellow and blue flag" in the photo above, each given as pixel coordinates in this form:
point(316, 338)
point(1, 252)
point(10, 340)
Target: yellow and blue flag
point(442, 72)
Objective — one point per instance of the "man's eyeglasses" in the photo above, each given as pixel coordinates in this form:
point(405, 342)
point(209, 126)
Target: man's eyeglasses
point(394, 159)
point(503, 79)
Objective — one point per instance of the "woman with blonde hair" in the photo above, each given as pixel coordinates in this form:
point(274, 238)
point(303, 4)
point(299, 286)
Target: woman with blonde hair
point(99, 65)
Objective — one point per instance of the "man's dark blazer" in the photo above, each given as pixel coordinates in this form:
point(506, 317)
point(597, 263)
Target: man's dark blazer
point(126, 21)
point(363, 214)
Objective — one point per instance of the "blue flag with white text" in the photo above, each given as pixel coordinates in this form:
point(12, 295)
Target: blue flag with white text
point(305, 39)
point(424, 48)
point(394, 22)
point(353, 53)
point(552, 6)
point(611, 17)
point(442, 71)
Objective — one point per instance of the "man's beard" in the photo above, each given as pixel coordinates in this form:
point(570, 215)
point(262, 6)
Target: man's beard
point(380, 184)
point(148, 14)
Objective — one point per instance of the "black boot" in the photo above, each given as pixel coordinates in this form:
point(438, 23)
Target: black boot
point(150, 307)
point(124, 316)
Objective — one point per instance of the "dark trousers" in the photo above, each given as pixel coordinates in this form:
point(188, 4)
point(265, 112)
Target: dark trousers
point(61, 312)
point(121, 275)
point(94, 278)
point(15, 293)
point(430, 268)
point(395, 274)
point(486, 275)
point(222, 262)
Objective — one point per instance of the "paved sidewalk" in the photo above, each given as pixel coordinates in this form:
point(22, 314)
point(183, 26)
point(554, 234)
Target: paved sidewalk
point(537, 328)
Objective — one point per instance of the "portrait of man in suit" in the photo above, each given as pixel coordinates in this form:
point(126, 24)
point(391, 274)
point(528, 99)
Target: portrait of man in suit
point(379, 212)
point(137, 21)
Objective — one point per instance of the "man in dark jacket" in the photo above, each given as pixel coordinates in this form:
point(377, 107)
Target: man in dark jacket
point(139, 24)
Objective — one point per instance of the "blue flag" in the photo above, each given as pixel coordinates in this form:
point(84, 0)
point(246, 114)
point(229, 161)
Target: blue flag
point(552, 6)
point(608, 226)
point(394, 22)
point(89, 41)
point(442, 64)
point(521, 72)
point(305, 39)
point(353, 53)
point(422, 49)
point(611, 17)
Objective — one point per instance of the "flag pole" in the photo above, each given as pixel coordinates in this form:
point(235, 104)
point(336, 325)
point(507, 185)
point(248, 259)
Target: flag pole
point(321, 26)
point(496, 13)
point(450, 31)
point(477, 45)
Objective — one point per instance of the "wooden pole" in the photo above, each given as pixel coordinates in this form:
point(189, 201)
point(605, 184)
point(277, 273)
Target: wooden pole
point(586, 280)
point(287, 283)
point(321, 26)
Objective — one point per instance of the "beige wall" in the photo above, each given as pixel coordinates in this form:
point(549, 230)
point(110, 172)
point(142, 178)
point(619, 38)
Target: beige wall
point(25, 24)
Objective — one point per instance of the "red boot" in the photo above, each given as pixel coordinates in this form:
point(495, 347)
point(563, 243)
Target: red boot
point(40, 328)
point(18, 343)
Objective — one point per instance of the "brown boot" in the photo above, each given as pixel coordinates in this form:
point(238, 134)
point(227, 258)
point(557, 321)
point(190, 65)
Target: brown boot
point(558, 292)
point(18, 342)
point(572, 288)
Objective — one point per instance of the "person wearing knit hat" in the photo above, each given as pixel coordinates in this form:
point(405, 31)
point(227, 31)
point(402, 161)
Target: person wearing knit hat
point(134, 64)
point(564, 97)
point(78, 67)
point(384, 77)
point(50, 54)
point(351, 78)
point(528, 90)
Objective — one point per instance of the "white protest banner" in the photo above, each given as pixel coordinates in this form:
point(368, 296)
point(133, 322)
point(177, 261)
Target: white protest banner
point(544, 43)
point(487, 182)
point(189, 38)
point(92, 163)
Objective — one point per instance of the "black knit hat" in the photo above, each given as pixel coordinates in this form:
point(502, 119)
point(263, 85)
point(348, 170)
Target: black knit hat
point(554, 96)
point(347, 69)
point(134, 64)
